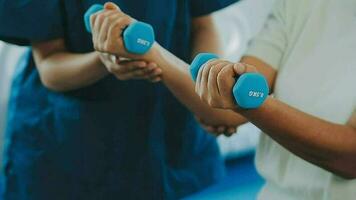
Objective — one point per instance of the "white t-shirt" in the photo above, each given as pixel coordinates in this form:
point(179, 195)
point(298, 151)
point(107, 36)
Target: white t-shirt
point(312, 44)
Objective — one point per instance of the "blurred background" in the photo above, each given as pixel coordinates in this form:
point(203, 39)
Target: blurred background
point(239, 23)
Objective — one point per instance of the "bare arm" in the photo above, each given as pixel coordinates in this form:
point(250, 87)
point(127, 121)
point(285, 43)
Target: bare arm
point(175, 72)
point(328, 145)
point(205, 37)
point(63, 71)
point(177, 78)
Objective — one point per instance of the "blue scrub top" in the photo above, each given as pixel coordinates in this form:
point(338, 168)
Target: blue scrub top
point(114, 139)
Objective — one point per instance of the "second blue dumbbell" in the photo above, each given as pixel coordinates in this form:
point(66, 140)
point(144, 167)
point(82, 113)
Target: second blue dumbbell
point(138, 37)
point(250, 90)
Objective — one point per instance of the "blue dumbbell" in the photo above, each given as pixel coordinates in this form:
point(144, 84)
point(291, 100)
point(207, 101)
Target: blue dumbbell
point(250, 90)
point(138, 37)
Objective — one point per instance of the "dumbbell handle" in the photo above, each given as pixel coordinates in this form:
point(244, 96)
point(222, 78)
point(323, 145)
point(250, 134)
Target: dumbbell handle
point(250, 90)
point(138, 37)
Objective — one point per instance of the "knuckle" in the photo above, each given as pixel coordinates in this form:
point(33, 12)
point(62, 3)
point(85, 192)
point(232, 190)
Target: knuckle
point(93, 18)
point(214, 70)
point(111, 18)
point(221, 77)
point(126, 19)
point(100, 18)
point(209, 65)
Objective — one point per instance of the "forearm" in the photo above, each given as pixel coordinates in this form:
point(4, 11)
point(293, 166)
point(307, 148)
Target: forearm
point(177, 78)
point(65, 71)
point(205, 39)
point(330, 146)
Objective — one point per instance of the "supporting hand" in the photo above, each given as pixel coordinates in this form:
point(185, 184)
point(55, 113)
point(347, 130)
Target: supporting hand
point(131, 69)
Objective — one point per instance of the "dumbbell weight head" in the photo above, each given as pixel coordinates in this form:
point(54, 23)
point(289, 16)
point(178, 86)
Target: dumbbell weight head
point(250, 90)
point(138, 36)
point(92, 10)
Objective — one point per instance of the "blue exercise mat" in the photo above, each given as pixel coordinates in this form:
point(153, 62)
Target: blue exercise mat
point(242, 182)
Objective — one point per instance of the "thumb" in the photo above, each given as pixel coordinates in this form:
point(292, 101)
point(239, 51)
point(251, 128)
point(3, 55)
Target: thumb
point(240, 68)
point(111, 6)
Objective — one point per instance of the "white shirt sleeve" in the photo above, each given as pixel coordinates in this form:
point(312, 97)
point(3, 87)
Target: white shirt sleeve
point(270, 44)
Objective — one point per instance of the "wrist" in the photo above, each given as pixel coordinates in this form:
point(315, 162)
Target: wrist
point(154, 54)
point(98, 62)
point(158, 55)
point(266, 105)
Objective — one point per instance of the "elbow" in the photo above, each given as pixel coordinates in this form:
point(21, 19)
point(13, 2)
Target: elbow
point(347, 176)
point(345, 169)
point(52, 83)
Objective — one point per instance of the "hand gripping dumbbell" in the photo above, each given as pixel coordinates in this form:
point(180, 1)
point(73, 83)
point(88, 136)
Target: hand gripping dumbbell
point(138, 36)
point(250, 90)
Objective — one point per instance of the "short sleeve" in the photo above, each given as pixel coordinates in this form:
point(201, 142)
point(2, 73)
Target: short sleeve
point(25, 21)
point(205, 7)
point(270, 44)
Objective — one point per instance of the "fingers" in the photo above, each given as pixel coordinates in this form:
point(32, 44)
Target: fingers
point(200, 75)
point(104, 26)
point(203, 75)
point(134, 70)
point(133, 75)
point(114, 43)
point(212, 84)
point(241, 68)
point(155, 75)
point(107, 27)
point(124, 67)
point(220, 130)
point(100, 23)
point(111, 6)
point(225, 81)
point(207, 84)
point(217, 130)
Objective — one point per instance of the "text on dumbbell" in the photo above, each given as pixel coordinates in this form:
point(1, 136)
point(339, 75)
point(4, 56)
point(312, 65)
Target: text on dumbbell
point(256, 94)
point(143, 42)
